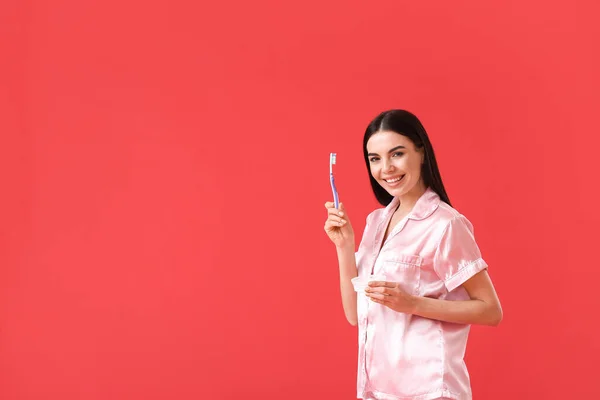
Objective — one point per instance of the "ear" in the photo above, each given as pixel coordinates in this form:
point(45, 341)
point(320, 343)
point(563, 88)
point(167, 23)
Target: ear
point(422, 153)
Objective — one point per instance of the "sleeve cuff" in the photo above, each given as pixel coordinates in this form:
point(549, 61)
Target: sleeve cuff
point(465, 273)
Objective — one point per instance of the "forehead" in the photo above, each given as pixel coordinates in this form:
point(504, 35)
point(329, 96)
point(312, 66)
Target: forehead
point(386, 140)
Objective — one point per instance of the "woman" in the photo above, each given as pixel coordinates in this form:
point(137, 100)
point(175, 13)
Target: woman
point(413, 327)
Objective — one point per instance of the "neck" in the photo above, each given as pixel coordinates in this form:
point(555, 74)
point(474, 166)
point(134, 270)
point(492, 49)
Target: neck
point(408, 200)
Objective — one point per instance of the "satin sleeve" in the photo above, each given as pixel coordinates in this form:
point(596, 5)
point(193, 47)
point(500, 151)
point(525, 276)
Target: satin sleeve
point(457, 257)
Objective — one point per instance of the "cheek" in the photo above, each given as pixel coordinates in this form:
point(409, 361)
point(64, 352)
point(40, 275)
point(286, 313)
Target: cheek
point(417, 166)
point(375, 172)
point(413, 166)
point(403, 164)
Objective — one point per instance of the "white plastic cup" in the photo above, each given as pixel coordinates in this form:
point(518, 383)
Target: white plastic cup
point(360, 283)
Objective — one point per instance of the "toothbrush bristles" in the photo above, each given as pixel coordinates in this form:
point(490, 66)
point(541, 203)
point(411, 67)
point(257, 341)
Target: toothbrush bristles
point(333, 157)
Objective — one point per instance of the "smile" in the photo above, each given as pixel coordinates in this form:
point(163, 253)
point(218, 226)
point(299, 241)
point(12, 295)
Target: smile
point(394, 180)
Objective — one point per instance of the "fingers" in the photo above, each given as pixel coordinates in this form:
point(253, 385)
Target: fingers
point(334, 222)
point(335, 217)
point(329, 225)
point(380, 290)
point(376, 295)
point(335, 211)
point(386, 284)
point(379, 298)
point(330, 206)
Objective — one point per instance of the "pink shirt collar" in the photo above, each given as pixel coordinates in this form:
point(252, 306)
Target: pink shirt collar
point(425, 206)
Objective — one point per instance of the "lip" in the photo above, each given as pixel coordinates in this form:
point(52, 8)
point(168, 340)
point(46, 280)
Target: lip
point(394, 184)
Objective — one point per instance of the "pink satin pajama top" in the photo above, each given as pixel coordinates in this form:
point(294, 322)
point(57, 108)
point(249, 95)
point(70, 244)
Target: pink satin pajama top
point(431, 252)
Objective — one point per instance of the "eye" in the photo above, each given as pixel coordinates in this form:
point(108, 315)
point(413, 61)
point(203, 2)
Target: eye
point(398, 154)
point(373, 159)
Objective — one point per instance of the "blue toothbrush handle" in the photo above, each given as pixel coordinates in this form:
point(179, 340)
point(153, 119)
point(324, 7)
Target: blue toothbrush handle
point(334, 190)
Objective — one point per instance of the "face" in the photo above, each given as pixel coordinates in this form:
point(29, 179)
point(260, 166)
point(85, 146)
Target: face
point(395, 162)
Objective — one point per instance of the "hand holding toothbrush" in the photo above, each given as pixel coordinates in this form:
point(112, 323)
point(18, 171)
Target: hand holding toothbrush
point(337, 226)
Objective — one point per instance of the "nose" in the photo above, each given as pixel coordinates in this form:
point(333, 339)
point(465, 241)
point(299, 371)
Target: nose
point(388, 166)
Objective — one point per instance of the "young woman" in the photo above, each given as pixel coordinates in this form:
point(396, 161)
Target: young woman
point(413, 327)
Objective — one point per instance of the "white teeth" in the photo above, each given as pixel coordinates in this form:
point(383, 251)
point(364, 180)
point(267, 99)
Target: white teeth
point(393, 180)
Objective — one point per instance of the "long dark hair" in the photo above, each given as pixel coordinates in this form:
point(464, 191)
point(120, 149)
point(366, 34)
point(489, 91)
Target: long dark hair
point(405, 124)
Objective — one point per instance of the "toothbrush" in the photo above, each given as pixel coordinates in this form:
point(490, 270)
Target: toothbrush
point(332, 157)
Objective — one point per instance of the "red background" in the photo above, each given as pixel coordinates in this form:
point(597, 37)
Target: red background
point(164, 168)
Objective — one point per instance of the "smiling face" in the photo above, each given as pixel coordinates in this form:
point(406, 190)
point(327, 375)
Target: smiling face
point(395, 163)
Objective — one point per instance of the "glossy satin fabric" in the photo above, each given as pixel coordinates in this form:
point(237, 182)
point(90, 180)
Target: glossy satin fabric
point(431, 252)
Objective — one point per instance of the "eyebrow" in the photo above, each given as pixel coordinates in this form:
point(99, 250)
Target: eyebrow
point(391, 151)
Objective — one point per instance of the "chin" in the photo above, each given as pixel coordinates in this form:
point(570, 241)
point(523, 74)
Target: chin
point(398, 193)
point(401, 191)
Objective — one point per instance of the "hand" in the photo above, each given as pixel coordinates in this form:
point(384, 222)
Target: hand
point(338, 226)
point(390, 295)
